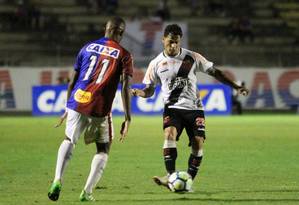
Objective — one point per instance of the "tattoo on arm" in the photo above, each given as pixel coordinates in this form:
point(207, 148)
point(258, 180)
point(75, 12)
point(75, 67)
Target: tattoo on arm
point(149, 91)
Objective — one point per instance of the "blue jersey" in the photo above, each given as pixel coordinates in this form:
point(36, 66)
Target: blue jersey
point(100, 65)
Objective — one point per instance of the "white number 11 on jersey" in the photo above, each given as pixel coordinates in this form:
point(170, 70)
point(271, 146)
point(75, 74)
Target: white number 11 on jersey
point(105, 64)
point(93, 60)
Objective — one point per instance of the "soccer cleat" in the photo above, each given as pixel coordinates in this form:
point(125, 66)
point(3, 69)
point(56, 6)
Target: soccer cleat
point(84, 196)
point(161, 181)
point(54, 191)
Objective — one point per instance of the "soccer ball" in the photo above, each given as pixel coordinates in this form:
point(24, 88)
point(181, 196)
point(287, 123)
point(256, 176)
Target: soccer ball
point(180, 181)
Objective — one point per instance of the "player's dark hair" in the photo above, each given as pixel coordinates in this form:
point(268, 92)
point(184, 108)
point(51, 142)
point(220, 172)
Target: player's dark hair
point(116, 21)
point(173, 29)
point(114, 28)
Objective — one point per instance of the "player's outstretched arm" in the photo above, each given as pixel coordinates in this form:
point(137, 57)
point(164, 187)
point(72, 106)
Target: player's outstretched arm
point(71, 85)
point(219, 75)
point(147, 92)
point(126, 99)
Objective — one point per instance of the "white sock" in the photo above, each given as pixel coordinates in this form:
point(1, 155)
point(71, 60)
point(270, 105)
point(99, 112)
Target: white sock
point(198, 153)
point(63, 156)
point(169, 144)
point(97, 167)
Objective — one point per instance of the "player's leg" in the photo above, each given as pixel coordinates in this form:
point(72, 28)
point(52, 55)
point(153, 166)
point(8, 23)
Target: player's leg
point(99, 161)
point(172, 129)
point(196, 156)
point(196, 133)
point(169, 154)
point(97, 167)
point(169, 148)
point(63, 156)
point(74, 126)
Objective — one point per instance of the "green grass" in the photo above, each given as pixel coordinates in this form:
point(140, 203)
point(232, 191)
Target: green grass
point(248, 160)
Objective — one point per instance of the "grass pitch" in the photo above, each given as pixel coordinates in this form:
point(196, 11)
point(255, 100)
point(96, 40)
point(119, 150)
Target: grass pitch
point(247, 160)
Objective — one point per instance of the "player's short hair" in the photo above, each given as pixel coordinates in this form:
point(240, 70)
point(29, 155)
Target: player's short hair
point(116, 21)
point(173, 29)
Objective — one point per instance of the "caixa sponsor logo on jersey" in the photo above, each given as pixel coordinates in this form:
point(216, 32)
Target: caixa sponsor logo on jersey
point(48, 100)
point(103, 50)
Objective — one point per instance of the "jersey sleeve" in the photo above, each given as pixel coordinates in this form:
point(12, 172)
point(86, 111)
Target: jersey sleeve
point(202, 63)
point(127, 64)
point(150, 77)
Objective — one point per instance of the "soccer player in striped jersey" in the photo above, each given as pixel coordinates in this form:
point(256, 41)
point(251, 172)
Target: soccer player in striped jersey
point(175, 69)
point(99, 67)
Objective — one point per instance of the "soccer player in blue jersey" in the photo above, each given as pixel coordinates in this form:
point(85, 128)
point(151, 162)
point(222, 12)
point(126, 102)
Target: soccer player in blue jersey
point(99, 67)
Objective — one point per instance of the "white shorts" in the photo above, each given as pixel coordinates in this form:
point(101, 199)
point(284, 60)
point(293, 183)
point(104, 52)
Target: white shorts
point(97, 129)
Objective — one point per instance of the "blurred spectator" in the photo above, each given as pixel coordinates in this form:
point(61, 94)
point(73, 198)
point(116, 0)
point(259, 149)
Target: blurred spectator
point(34, 17)
point(194, 6)
point(26, 16)
point(21, 14)
point(233, 30)
point(236, 104)
point(240, 29)
point(275, 11)
point(246, 32)
point(163, 11)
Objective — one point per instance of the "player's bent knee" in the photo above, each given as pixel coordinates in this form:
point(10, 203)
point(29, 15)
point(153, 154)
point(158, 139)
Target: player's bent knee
point(70, 140)
point(170, 134)
point(199, 140)
point(67, 138)
point(197, 143)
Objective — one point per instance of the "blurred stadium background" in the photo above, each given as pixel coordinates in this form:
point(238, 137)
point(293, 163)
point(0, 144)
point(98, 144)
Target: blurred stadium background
point(256, 41)
point(249, 159)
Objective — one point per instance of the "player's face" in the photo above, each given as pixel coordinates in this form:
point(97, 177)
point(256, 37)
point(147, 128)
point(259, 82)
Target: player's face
point(172, 44)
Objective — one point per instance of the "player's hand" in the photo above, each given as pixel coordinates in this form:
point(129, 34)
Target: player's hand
point(134, 91)
point(243, 91)
point(61, 119)
point(124, 130)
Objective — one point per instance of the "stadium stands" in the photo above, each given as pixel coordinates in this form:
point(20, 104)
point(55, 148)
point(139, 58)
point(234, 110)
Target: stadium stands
point(49, 32)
